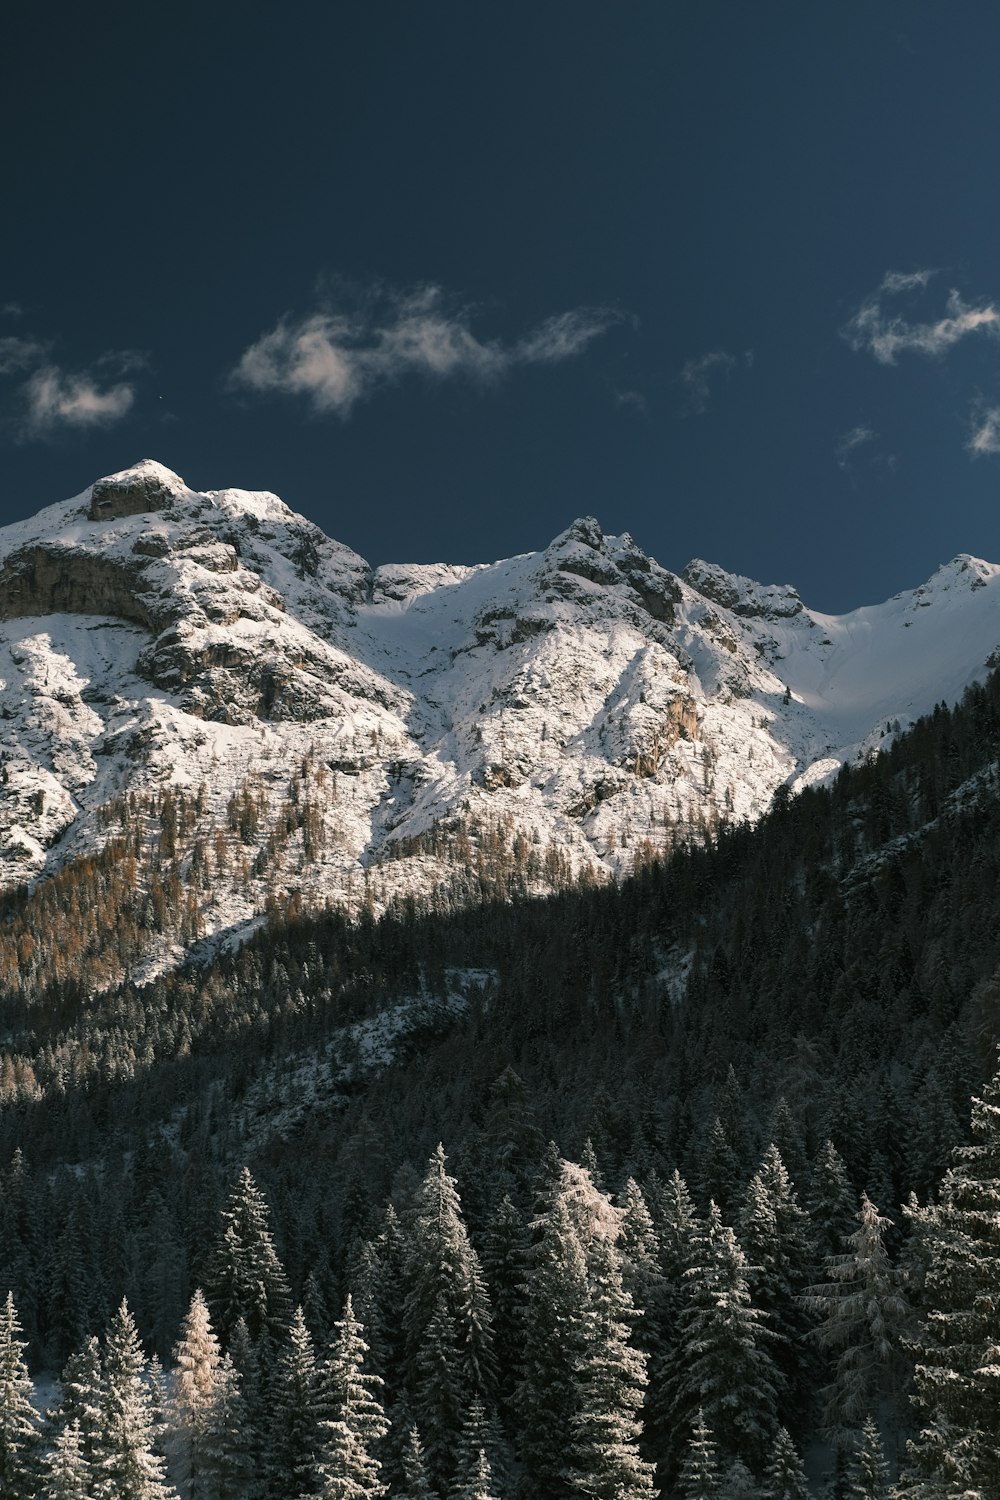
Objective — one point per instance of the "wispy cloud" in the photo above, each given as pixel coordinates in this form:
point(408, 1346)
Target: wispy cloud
point(59, 398)
point(48, 398)
point(849, 441)
point(346, 352)
point(985, 438)
point(887, 333)
point(19, 354)
point(698, 375)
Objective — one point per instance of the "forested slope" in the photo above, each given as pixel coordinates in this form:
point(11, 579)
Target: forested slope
point(775, 1023)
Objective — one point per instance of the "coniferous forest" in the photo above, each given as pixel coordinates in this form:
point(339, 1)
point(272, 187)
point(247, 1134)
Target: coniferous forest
point(687, 1186)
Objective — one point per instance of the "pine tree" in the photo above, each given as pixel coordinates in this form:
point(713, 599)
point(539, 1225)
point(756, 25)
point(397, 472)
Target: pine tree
point(678, 1230)
point(776, 1238)
point(699, 1475)
point(724, 1362)
point(296, 1410)
point(475, 1482)
point(447, 1321)
point(227, 1449)
point(784, 1477)
point(868, 1475)
point(604, 1458)
point(81, 1398)
point(245, 1279)
point(554, 1344)
point(197, 1359)
point(865, 1320)
point(831, 1202)
point(737, 1483)
point(416, 1485)
point(66, 1474)
point(503, 1249)
point(347, 1467)
point(957, 1347)
point(250, 1399)
point(18, 1422)
point(126, 1465)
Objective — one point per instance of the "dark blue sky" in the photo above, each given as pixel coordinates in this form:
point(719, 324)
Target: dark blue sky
point(446, 275)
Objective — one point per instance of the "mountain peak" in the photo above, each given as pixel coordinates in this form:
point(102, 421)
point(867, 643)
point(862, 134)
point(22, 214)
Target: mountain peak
point(742, 595)
point(144, 486)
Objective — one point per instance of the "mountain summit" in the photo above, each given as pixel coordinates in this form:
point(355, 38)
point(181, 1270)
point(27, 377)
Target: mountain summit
point(326, 730)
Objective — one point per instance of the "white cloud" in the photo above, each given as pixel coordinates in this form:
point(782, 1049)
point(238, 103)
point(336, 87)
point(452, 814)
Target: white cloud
point(697, 375)
point(849, 441)
point(57, 398)
point(886, 334)
point(985, 437)
point(337, 357)
point(19, 354)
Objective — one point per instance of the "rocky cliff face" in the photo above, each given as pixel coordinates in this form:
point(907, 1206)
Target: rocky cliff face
point(362, 733)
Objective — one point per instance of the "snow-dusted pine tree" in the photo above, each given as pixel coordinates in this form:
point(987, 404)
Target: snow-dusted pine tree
point(724, 1363)
point(957, 1346)
point(446, 1317)
point(604, 1460)
point(776, 1238)
point(66, 1474)
point(699, 1475)
point(296, 1410)
point(245, 1279)
point(784, 1476)
point(866, 1316)
point(197, 1359)
point(18, 1422)
point(347, 1468)
point(80, 1398)
point(416, 1485)
point(831, 1201)
point(127, 1466)
point(554, 1344)
point(868, 1472)
point(475, 1482)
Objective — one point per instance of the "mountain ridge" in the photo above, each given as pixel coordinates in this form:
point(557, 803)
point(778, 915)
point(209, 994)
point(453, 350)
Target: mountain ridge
point(362, 734)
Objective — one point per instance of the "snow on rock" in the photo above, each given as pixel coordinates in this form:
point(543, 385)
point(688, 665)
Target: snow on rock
point(360, 734)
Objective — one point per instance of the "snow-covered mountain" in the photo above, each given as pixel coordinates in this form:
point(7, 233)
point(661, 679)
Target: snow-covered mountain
point(212, 666)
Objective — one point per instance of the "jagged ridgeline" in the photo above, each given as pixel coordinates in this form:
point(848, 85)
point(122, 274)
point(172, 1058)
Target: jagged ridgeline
point(211, 709)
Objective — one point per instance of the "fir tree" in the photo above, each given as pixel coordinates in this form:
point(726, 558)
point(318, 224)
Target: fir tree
point(678, 1231)
point(554, 1346)
point(699, 1475)
point(784, 1476)
point(347, 1467)
point(296, 1410)
point(868, 1474)
point(227, 1448)
point(957, 1347)
point(475, 1481)
point(66, 1473)
point(604, 1458)
point(778, 1244)
point(865, 1319)
point(127, 1466)
point(245, 1279)
point(197, 1359)
point(831, 1202)
point(449, 1351)
point(81, 1397)
point(18, 1422)
point(724, 1364)
point(415, 1485)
